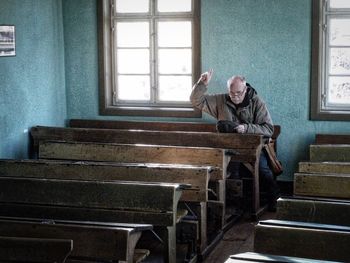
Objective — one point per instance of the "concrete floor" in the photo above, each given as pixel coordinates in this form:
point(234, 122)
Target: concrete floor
point(238, 239)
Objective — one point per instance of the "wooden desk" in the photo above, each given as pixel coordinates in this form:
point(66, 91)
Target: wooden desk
point(300, 239)
point(106, 202)
point(96, 241)
point(242, 147)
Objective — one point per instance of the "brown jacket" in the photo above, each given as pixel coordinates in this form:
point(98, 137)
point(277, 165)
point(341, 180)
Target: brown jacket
point(252, 111)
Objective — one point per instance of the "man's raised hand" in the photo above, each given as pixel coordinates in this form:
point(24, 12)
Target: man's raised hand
point(206, 76)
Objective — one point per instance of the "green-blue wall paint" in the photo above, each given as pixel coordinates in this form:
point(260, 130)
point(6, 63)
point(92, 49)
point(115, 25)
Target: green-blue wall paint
point(268, 41)
point(32, 83)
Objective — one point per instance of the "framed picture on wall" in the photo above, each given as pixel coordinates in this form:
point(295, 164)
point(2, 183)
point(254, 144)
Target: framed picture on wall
point(7, 40)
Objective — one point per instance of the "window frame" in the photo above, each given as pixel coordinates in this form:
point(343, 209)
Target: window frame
point(319, 70)
point(106, 100)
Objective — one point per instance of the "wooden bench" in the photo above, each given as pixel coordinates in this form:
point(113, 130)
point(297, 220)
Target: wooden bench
point(132, 154)
point(152, 125)
point(94, 201)
point(332, 139)
point(21, 249)
point(300, 239)
point(97, 241)
point(324, 167)
point(330, 153)
point(143, 125)
point(165, 154)
point(195, 176)
point(322, 185)
point(259, 257)
point(160, 126)
point(320, 211)
point(245, 148)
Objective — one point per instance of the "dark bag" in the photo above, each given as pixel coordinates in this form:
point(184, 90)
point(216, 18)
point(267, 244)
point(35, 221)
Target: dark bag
point(226, 126)
point(274, 164)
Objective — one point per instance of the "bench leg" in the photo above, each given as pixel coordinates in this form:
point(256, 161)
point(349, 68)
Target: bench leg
point(134, 238)
point(168, 235)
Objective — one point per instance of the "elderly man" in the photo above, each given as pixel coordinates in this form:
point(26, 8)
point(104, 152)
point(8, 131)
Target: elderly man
point(239, 110)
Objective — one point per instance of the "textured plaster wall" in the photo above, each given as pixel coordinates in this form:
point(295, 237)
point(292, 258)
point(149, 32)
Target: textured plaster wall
point(32, 86)
point(81, 60)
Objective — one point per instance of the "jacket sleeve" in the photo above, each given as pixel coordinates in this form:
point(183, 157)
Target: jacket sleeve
point(262, 123)
point(203, 101)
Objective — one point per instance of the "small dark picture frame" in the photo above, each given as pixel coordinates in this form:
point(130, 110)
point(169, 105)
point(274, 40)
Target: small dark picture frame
point(7, 40)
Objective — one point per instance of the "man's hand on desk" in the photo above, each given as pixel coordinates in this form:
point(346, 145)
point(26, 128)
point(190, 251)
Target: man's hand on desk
point(241, 128)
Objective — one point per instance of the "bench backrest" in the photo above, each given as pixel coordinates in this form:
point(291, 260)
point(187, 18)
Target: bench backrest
point(102, 242)
point(336, 212)
point(100, 201)
point(332, 139)
point(196, 176)
point(260, 257)
point(300, 239)
point(131, 153)
point(166, 138)
point(152, 125)
point(143, 125)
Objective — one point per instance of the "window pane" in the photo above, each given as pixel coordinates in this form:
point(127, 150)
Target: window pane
point(339, 90)
point(133, 61)
point(174, 34)
point(131, 6)
point(177, 61)
point(175, 88)
point(134, 88)
point(339, 32)
point(132, 34)
point(340, 61)
point(174, 6)
point(339, 3)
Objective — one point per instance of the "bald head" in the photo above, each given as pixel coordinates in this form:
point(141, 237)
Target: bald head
point(236, 86)
point(236, 81)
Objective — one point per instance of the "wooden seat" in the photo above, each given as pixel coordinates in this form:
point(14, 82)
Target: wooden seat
point(259, 257)
point(324, 167)
point(330, 153)
point(103, 242)
point(23, 249)
point(241, 147)
point(106, 201)
point(332, 139)
point(300, 239)
point(320, 211)
point(196, 177)
point(322, 185)
point(184, 147)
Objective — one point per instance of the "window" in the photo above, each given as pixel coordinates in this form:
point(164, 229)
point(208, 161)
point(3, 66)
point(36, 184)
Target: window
point(149, 57)
point(330, 88)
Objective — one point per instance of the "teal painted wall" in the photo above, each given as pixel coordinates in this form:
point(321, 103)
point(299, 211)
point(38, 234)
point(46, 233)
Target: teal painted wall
point(268, 41)
point(81, 58)
point(32, 84)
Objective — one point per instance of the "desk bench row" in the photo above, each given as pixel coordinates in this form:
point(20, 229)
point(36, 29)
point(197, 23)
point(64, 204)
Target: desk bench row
point(102, 179)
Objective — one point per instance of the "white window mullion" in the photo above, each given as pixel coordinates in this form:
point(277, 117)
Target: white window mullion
point(154, 75)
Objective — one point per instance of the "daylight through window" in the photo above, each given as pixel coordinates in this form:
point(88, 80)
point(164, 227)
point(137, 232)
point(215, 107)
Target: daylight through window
point(151, 56)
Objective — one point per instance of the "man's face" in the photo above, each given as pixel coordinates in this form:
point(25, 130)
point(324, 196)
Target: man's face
point(237, 91)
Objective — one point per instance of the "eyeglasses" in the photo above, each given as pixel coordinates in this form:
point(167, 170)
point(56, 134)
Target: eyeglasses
point(239, 93)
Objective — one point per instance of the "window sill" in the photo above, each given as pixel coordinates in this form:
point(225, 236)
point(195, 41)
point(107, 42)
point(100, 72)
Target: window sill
point(330, 115)
point(151, 111)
